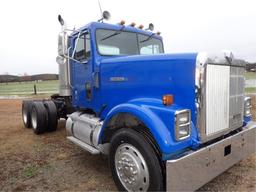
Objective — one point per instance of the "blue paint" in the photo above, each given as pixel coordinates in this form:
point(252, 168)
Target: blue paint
point(144, 80)
point(247, 120)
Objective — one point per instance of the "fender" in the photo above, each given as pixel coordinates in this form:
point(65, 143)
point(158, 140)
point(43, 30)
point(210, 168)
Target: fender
point(159, 119)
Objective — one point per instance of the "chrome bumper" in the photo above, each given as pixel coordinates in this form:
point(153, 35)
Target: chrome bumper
point(197, 168)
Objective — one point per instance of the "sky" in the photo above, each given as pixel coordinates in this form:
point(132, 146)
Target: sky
point(29, 28)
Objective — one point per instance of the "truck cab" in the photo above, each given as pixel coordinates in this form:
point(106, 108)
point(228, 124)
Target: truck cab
point(95, 46)
point(159, 117)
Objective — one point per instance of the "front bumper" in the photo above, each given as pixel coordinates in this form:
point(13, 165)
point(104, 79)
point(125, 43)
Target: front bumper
point(197, 168)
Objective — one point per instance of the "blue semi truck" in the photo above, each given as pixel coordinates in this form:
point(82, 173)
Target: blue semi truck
point(166, 121)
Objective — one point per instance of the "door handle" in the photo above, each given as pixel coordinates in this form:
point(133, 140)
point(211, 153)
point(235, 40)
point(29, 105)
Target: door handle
point(96, 80)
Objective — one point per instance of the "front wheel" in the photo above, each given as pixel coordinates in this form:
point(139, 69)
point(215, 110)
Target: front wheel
point(134, 163)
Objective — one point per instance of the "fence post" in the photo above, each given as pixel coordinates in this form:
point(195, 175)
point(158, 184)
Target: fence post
point(35, 90)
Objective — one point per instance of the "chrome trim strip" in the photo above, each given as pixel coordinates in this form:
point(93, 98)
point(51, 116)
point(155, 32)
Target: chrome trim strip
point(185, 124)
point(83, 145)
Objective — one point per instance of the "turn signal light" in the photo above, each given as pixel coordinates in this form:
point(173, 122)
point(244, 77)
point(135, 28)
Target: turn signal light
point(168, 99)
point(122, 22)
point(132, 24)
point(141, 27)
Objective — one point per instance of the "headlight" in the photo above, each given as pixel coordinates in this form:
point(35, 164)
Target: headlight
point(182, 124)
point(247, 102)
point(247, 112)
point(247, 106)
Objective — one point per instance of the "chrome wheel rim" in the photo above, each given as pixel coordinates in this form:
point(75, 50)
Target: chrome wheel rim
point(34, 119)
point(131, 168)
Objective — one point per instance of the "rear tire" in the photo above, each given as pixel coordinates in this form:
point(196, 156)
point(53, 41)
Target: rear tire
point(26, 112)
point(134, 163)
point(52, 115)
point(39, 117)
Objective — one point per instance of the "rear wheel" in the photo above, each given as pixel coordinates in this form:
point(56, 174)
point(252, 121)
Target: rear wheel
point(39, 117)
point(134, 163)
point(26, 112)
point(52, 115)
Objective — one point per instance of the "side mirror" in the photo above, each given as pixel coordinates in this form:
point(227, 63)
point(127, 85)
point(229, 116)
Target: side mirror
point(150, 27)
point(105, 15)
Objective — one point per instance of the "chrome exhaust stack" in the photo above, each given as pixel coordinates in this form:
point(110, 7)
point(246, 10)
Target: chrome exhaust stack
point(63, 61)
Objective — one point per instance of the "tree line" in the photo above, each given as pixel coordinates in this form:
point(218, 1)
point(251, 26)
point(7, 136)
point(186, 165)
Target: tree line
point(13, 78)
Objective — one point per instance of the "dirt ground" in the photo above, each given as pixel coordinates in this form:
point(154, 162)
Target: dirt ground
point(49, 162)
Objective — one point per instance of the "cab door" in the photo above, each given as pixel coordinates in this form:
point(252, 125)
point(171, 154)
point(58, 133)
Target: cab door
point(82, 70)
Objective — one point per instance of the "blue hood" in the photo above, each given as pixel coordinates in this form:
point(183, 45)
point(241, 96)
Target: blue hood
point(131, 77)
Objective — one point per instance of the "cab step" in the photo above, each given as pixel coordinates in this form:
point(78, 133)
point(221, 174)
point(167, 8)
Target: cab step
point(83, 145)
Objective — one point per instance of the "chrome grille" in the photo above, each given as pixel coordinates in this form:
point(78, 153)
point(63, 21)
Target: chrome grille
point(217, 98)
point(221, 100)
point(236, 97)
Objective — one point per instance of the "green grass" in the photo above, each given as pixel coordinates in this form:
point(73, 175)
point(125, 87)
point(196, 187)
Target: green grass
point(30, 171)
point(250, 75)
point(51, 87)
point(250, 89)
point(27, 88)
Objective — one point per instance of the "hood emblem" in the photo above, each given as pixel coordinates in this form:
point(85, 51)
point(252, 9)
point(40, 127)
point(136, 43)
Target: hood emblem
point(118, 79)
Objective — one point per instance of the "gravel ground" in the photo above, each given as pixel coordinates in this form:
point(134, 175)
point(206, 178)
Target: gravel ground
point(50, 163)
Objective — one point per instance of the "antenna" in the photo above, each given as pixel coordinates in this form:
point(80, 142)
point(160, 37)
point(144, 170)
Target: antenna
point(104, 15)
point(101, 13)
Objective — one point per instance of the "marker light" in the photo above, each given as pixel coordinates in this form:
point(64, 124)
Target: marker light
point(168, 99)
point(132, 24)
point(122, 22)
point(141, 27)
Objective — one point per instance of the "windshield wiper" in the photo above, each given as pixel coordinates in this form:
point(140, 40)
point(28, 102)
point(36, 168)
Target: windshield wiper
point(114, 34)
point(149, 37)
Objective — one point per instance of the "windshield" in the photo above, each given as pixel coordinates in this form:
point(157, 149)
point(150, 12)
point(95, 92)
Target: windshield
point(111, 42)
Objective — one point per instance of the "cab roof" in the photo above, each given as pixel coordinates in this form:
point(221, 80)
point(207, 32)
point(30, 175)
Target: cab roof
point(99, 25)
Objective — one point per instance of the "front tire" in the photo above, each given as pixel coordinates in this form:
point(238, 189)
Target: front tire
point(134, 163)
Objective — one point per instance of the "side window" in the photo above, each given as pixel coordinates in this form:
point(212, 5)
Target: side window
point(83, 48)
